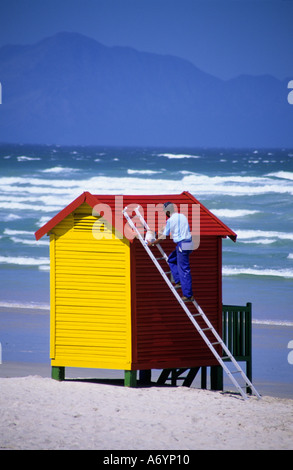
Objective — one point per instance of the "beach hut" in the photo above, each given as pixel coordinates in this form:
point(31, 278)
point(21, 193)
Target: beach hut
point(110, 307)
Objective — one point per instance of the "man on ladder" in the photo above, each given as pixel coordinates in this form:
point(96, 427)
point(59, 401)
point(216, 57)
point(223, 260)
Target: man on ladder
point(177, 225)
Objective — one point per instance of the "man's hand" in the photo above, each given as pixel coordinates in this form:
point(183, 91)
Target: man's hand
point(160, 238)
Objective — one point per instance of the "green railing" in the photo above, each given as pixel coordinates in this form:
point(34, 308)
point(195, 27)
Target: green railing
point(236, 334)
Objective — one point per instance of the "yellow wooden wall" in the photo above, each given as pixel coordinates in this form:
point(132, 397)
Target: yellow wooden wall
point(90, 295)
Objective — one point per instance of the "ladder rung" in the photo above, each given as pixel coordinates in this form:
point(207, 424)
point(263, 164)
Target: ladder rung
point(206, 329)
point(217, 342)
point(236, 372)
point(197, 314)
point(160, 258)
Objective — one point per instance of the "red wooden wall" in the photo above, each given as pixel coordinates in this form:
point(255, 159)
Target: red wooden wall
point(162, 334)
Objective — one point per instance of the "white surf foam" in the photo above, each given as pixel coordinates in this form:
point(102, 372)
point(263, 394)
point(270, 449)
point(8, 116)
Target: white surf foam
point(177, 156)
point(261, 241)
point(24, 260)
point(233, 271)
point(43, 220)
point(143, 172)
point(59, 169)
point(8, 231)
point(10, 183)
point(30, 242)
point(195, 183)
point(10, 217)
point(24, 158)
point(235, 185)
point(44, 267)
point(263, 234)
point(26, 207)
point(273, 322)
point(288, 175)
point(232, 213)
point(23, 305)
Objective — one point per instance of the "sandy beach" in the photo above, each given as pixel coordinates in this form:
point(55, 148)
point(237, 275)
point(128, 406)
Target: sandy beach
point(40, 413)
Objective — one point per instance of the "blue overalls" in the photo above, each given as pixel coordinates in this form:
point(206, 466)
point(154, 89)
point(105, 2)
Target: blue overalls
point(179, 264)
point(178, 260)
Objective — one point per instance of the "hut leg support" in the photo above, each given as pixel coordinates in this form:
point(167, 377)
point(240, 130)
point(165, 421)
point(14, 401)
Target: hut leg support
point(130, 378)
point(216, 378)
point(204, 377)
point(249, 374)
point(145, 376)
point(58, 373)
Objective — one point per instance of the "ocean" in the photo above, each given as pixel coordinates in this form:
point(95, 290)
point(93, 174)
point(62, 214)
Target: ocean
point(250, 190)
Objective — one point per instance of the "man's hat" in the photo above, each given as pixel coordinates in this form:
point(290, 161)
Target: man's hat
point(167, 206)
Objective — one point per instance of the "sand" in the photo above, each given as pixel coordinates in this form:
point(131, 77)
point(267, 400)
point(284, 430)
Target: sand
point(40, 413)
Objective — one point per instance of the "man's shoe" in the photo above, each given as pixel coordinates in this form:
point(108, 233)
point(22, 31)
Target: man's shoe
point(188, 299)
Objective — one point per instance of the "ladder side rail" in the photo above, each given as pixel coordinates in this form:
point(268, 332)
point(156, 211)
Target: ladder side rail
point(225, 348)
point(218, 357)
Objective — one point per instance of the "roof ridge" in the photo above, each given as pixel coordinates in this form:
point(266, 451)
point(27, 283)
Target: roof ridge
point(93, 200)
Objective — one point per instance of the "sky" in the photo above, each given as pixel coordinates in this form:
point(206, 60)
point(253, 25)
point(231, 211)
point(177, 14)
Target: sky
point(225, 38)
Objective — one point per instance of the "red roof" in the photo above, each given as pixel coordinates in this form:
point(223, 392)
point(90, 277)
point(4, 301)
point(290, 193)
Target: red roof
point(209, 223)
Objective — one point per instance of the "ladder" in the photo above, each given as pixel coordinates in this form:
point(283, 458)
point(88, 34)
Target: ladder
point(217, 340)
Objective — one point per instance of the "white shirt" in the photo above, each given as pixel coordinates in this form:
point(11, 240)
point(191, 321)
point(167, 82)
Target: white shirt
point(178, 226)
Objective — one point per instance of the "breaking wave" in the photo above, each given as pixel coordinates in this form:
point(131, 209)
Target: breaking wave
point(233, 271)
point(24, 261)
point(177, 156)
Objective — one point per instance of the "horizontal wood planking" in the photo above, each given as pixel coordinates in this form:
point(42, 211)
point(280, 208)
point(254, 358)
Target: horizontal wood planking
point(164, 335)
point(92, 296)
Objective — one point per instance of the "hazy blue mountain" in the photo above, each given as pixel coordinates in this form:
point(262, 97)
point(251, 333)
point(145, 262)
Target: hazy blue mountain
point(70, 89)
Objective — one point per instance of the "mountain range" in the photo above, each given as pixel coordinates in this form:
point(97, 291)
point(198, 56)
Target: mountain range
point(70, 89)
